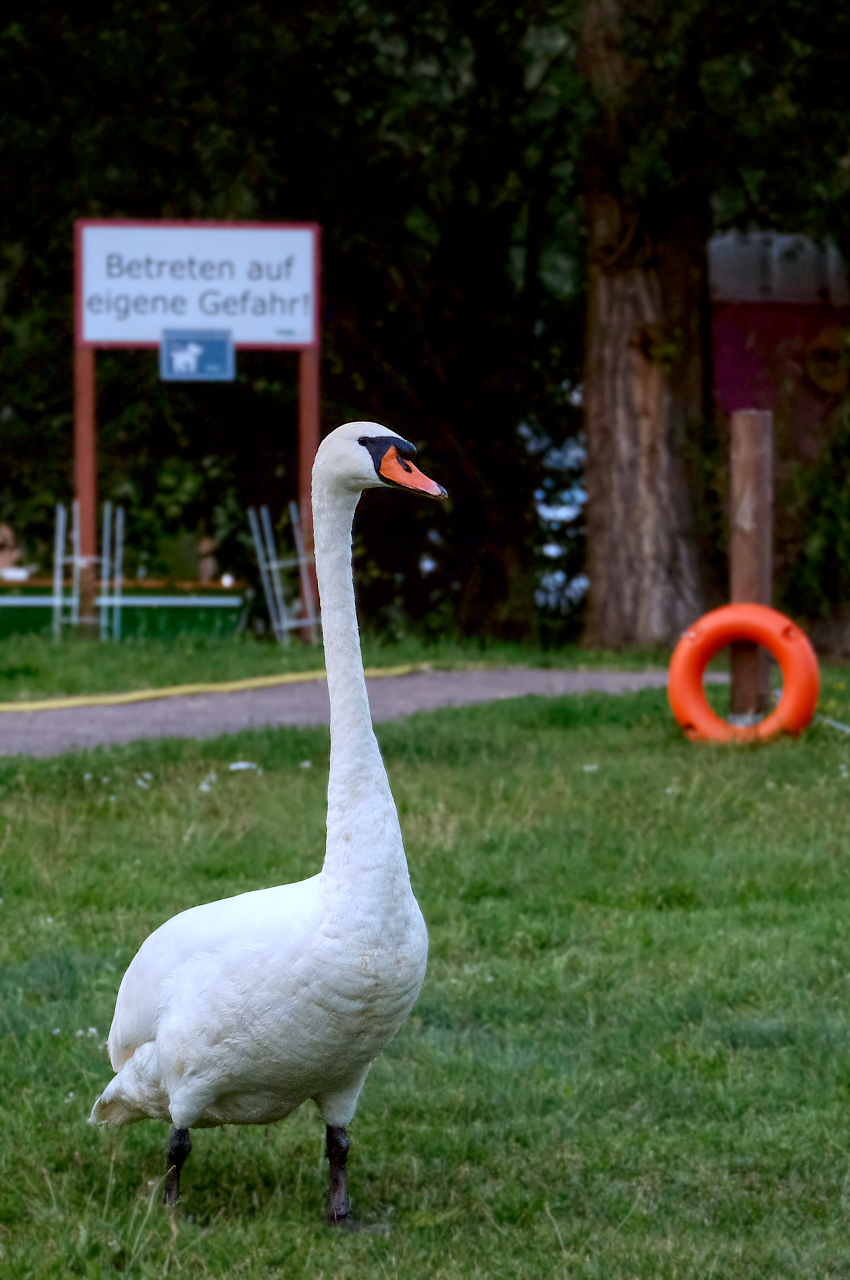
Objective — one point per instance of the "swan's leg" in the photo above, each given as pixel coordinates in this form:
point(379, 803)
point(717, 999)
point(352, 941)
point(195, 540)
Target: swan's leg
point(338, 1145)
point(178, 1149)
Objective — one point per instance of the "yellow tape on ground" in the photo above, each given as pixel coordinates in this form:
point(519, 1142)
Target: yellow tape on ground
point(187, 690)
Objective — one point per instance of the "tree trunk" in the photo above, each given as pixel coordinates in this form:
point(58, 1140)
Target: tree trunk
point(643, 384)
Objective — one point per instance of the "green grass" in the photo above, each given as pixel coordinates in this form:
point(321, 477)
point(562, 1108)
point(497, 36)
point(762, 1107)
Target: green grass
point(630, 1057)
point(33, 666)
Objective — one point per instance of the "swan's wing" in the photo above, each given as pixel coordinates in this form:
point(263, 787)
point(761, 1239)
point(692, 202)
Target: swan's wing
point(214, 928)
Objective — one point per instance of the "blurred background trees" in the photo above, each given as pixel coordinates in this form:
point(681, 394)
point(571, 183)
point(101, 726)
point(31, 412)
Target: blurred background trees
point(706, 117)
point(489, 177)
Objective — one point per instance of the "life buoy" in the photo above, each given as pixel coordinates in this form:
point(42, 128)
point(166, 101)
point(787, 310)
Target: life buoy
point(760, 625)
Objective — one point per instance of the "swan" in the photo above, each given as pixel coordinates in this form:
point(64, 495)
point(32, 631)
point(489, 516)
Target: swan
point(238, 1011)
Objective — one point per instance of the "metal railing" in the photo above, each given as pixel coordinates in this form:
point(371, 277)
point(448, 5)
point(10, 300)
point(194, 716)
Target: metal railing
point(281, 616)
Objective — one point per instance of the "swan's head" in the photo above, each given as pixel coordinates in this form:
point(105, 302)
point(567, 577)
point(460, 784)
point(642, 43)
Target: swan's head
point(365, 455)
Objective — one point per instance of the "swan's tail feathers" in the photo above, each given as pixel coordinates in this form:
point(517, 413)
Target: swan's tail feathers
point(114, 1110)
point(136, 1092)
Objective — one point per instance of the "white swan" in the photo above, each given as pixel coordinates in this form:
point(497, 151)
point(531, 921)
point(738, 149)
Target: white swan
point(238, 1011)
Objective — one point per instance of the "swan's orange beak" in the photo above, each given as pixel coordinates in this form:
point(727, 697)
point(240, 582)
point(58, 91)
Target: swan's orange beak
point(401, 472)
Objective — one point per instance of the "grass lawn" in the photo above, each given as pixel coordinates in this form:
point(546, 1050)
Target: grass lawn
point(629, 1059)
point(34, 666)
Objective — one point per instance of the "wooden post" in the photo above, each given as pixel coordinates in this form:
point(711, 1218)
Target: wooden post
point(751, 550)
point(85, 483)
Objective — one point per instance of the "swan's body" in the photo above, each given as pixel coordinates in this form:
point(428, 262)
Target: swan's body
point(238, 1011)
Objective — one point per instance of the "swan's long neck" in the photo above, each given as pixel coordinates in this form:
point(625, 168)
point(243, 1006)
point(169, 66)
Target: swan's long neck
point(364, 845)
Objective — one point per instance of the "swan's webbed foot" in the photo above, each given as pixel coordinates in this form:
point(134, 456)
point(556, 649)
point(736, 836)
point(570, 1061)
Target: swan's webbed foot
point(179, 1147)
point(338, 1212)
point(339, 1209)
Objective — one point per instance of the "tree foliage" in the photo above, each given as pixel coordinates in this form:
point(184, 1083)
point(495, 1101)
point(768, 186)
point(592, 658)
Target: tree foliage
point(442, 146)
point(429, 142)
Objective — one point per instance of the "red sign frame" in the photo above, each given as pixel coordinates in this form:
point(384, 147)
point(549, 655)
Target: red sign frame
point(85, 460)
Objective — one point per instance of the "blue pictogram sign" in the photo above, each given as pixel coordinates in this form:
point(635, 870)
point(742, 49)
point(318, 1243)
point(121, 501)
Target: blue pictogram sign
point(196, 355)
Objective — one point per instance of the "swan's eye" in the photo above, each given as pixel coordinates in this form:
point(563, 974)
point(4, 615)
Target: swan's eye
point(380, 446)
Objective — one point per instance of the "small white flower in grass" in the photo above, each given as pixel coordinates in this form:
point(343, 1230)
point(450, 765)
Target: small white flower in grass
point(104, 779)
point(86, 777)
point(92, 1031)
point(239, 765)
point(590, 768)
point(112, 799)
point(149, 776)
point(48, 919)
point(306, 764)
point(140, 782)
point(770, 784)
point(80, 1033)
point(70, 1095)
point(206, 785)
point(56, 1031)
point(1, 902)
point(489, 978)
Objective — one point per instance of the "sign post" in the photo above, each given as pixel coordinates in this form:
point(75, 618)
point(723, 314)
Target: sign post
point(309, 391)
point(214, 286)
point(85, 483)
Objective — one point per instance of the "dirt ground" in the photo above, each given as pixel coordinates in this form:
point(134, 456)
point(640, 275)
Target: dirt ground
point(49, 732)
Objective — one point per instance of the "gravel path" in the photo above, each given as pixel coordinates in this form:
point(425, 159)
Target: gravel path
point(206, 715)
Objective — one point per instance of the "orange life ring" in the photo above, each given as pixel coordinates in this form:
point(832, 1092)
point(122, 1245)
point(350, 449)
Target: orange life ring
point(756, 623)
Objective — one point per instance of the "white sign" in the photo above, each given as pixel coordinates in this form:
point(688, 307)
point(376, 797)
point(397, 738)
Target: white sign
point(136, 279)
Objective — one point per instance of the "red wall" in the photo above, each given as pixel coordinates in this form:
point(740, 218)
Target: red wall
point(781, 356)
